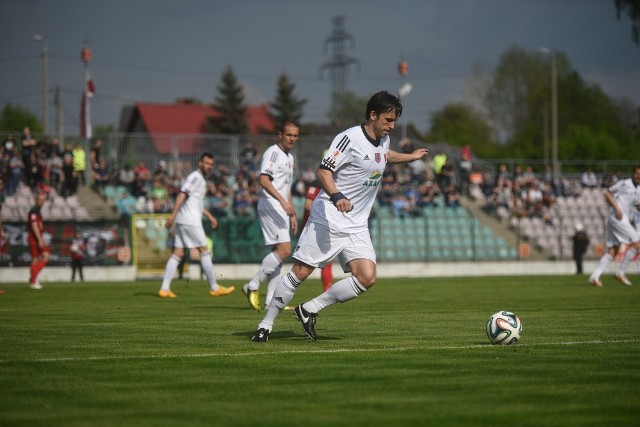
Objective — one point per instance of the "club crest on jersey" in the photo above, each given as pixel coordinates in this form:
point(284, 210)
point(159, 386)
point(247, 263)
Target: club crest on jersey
point(378, 158)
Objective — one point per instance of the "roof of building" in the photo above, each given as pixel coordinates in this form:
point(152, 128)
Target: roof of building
point(185, 118)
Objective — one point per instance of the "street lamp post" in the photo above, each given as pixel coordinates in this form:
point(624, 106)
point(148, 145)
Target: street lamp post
point(45, 81)
point(554, 114)
point(405, 89)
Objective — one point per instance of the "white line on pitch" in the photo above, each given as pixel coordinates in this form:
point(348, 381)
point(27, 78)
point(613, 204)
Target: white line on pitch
point(314, 351)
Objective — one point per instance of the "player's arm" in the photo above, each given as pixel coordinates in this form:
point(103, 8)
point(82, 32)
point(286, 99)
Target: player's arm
point(36, 232)
point(325, 176)
point(180, 199)
point(294, 217)
point(395, 157)
point(612, 201)
point(265, 182)
point(212, 219)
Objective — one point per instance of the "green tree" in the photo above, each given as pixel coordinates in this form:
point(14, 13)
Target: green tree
point(632, 7)
point(459, 125)
point(349, 109)
point(15, 118)
point(286, 106)
point(230, 104)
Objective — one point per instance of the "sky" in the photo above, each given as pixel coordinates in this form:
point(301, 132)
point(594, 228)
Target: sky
point(161, 50)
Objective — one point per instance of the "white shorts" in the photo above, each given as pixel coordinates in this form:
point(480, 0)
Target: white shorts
point(318, 246)
point(621, 232)
point(188, 236)
point(274, 222)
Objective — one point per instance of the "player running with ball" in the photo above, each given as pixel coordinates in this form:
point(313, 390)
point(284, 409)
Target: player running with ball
point(338, 225)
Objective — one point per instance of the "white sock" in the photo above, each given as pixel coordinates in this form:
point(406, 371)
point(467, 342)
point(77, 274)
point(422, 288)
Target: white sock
point(268, 266)
point(207, 268)
point(282, 296)
point(341, 291)
point(273, 278)
point(602, 266)
point(628, 256)
point(169, 272)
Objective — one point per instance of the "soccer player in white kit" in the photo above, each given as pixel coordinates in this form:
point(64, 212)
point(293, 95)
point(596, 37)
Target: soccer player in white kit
point(276, 212)
point(338, 225)
point(624, 198)
point(187, 219)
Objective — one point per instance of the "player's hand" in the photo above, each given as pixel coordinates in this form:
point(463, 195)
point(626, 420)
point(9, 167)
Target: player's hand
point(169, 223)
point(214, 222)
point(344, 205)
point(420, 153)
point(288, 208)
point(294, 224)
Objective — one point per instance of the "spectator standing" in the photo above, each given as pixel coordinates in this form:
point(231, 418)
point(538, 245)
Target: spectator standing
point(28, 143)
point(69, 177)
point(77, 250)
point(580, 245)
point(94, 155)
point(79, 163)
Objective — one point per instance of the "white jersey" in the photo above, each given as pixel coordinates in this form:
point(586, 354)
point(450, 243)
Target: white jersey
point(278, 166)
point(195, 187)
point(357, 163)
point(627, 197)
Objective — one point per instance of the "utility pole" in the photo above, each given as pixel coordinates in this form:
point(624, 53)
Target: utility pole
point(339, 64)
point(59, 117)
point(45, 81)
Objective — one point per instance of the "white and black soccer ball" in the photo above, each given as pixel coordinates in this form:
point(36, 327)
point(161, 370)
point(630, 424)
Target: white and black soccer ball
point(504, 328)
point(74, 248)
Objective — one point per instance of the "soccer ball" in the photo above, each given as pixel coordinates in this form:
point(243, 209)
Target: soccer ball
point(504, 328)
point(74, 248)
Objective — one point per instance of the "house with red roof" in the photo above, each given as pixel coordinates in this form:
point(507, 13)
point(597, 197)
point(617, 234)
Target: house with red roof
point(163, 122)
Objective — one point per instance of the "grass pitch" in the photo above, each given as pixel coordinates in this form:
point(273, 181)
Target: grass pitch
point(408, 352)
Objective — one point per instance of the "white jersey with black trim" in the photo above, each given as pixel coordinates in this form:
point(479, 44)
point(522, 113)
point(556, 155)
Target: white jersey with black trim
point(357, 163)
point(627, 197)
point(278, 166)
point(195, 187)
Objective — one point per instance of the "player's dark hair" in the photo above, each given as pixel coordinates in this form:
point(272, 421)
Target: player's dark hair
point(206, 155)
point(287, 123)
point(383, 102)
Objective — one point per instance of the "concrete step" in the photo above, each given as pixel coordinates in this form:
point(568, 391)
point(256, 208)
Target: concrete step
point(499, 229)
point(96, 205)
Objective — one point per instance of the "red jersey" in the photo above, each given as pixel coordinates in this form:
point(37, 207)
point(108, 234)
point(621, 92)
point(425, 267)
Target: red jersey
point(35, 218)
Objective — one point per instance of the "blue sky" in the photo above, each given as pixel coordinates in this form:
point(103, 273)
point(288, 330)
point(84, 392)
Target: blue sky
point(159, 50)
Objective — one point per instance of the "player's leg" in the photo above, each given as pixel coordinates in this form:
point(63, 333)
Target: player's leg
point(327, 276)
point(215, 290)
point(170, 271)
point(631, 253)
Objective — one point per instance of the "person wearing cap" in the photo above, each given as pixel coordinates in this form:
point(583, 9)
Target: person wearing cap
point(580, 245)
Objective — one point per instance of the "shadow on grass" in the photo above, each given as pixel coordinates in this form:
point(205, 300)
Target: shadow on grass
point(286, 336)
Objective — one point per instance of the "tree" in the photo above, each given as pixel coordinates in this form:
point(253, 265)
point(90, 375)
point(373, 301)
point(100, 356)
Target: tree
point(349, 109)
point(632, 7)
point(517, 102)
point(15, 118)
point(459, 125)
point(230, 104)
point(286, 106)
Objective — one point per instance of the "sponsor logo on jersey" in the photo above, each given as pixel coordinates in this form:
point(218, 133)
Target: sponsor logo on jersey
point(366, 157)
point(374, 179)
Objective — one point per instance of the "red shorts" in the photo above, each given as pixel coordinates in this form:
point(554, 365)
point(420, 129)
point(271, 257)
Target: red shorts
point(35, 251)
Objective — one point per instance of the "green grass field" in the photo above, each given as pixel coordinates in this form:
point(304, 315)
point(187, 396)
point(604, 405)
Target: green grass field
point(408, 352)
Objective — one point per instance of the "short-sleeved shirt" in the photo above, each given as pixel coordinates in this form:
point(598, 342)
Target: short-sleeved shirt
point(357, 163)
point(195, 188)
point(627, 197)
point(278, 166)
point(35, 217)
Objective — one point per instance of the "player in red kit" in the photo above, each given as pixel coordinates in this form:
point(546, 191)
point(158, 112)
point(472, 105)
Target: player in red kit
point(326, 274)
point(37, 248)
